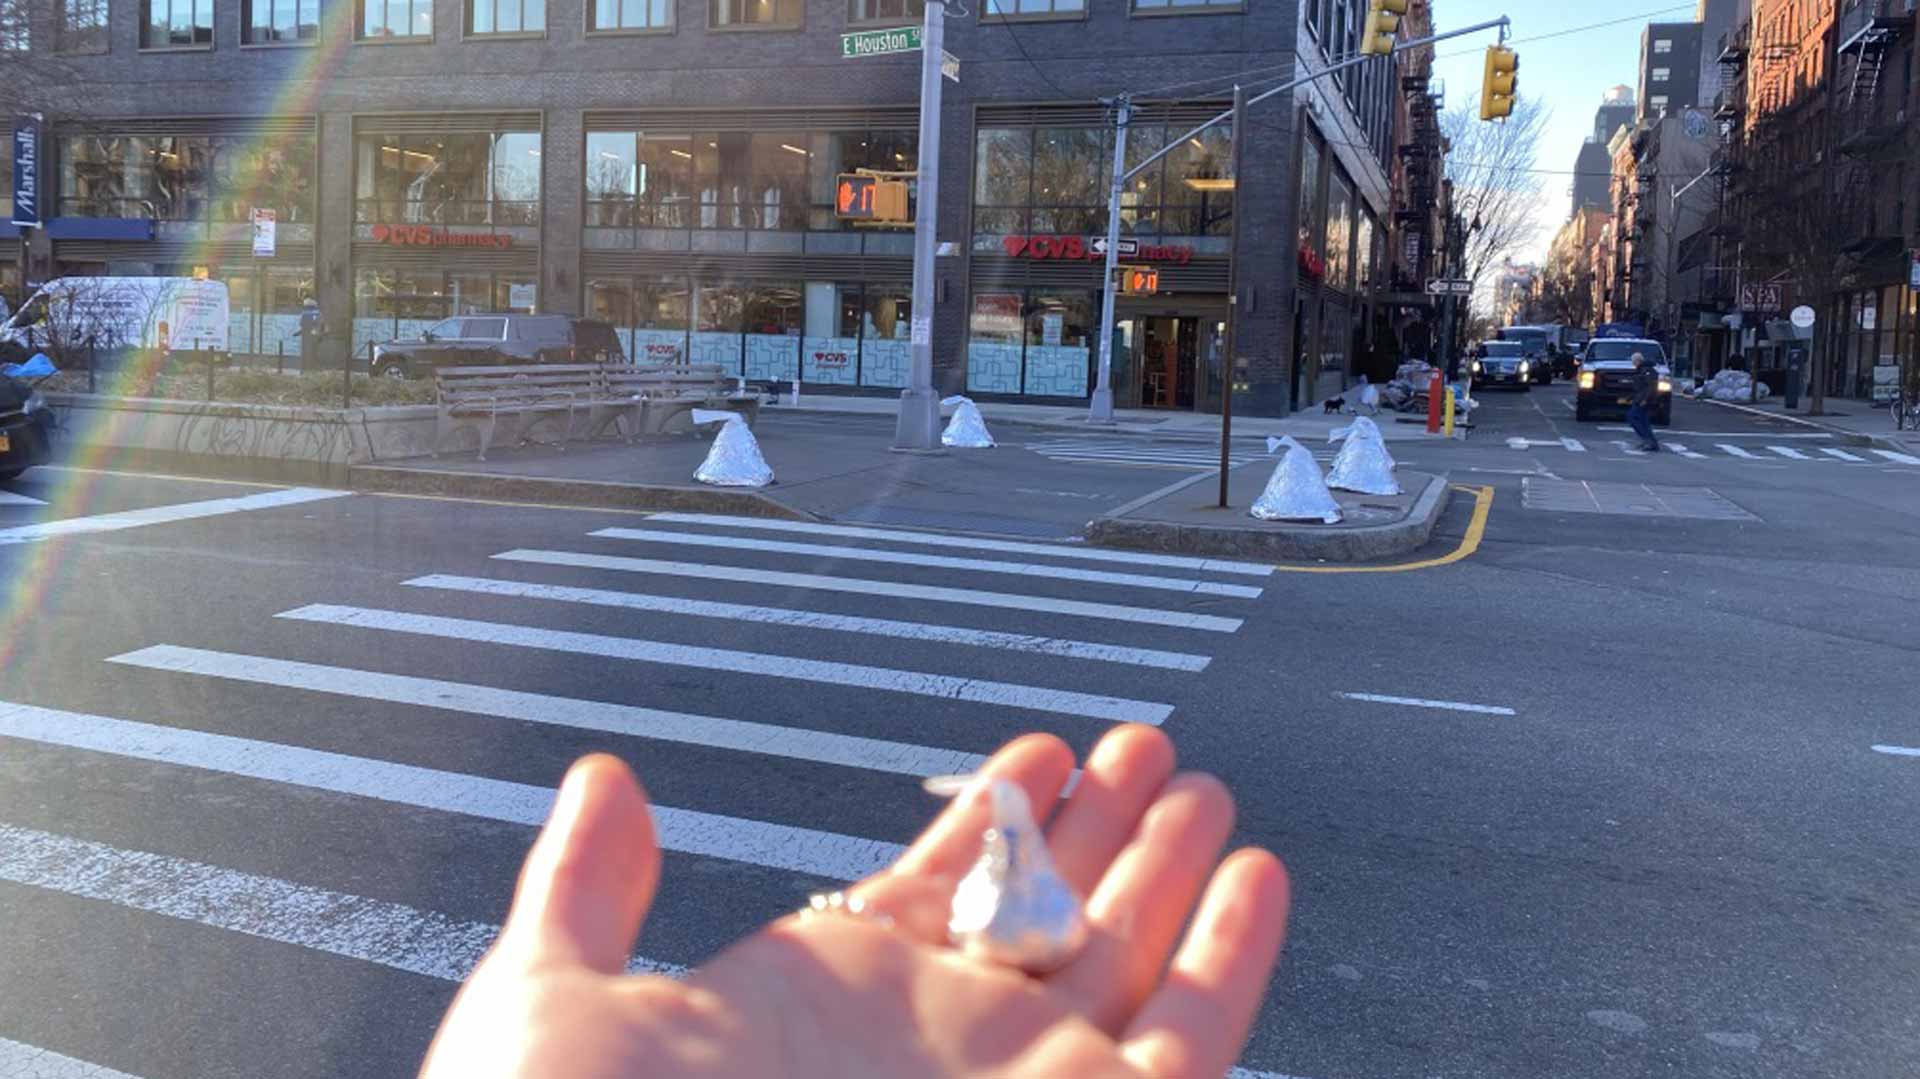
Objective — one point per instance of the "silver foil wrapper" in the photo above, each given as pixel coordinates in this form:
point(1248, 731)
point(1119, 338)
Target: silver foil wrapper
point(1297, 491)
point(734, 460)
point(967, 430)
point(1013, 908)
point(1363, 464)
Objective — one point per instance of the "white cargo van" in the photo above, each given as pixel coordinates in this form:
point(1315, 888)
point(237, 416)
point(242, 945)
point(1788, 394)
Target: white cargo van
point(169, 313)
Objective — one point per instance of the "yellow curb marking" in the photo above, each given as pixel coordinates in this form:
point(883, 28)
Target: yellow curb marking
point(1469, 543)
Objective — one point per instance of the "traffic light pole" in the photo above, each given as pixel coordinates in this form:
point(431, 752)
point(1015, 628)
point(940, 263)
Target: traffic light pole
point(1104, 401)
point(918, 425)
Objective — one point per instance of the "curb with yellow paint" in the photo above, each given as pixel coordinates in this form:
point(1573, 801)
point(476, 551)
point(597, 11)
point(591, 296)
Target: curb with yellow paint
point(1469, 543)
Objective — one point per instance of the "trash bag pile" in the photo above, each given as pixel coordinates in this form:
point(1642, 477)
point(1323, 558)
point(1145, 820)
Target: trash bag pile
point(1731, 385)
point(1363, 465)
point(734, 460)
point(1297, 491)
point(967, 429)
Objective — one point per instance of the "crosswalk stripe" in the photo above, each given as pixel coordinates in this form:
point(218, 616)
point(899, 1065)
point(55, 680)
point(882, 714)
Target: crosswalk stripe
point(1738, 452)
point(154, 515)
point(1842, 454)
point(971, 543)
point(1682, 450)
point(777, 846)
point(1574, 445)
point(1789, 451)
point(910, 558)
point(391, 935)
point(892, 589)
point(765, 739)
point(917, 683)
point(19, 1060)
point(1183, 466)
point(1901, 458)
point(15, 498)
point(783, 616)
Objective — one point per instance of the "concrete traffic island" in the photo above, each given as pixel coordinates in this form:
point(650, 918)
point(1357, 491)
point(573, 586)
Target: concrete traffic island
point(1187, 519)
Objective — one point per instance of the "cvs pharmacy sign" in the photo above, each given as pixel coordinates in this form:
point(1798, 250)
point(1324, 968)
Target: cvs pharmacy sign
point(1077, 248)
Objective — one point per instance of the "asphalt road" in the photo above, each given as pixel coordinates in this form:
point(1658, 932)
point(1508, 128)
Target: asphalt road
point(1680, 854)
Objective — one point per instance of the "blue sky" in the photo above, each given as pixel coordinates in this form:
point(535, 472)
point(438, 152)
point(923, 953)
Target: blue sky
point(1570, 72)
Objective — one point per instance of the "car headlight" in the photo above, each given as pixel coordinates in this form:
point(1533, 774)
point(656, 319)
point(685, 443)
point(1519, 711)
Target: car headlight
point(1665, 386)
point(1523, 367)
point(1476, 367)
point(1586, 380)
point(35, 403)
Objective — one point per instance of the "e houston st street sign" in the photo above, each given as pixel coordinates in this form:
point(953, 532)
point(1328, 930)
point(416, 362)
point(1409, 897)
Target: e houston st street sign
point(880, 42)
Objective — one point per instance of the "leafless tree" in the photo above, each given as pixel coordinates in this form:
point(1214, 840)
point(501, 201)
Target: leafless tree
point(36, 37)
point(1565, 296)
point(1491, 166)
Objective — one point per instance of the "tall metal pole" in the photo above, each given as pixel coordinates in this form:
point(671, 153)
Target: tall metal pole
point(1233, 289)
point(1102, 408)
point(918, 427)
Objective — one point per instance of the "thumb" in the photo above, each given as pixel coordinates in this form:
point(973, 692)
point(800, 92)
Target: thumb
point(591, 874)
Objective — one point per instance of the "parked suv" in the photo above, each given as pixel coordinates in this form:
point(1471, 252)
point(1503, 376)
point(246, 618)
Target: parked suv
point(472, 340)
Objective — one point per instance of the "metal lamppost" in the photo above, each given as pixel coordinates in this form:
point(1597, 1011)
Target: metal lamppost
point(918, 425)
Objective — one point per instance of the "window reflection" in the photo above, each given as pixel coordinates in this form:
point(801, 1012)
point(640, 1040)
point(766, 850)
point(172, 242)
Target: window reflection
point(465, 179)
point(185, 178)
point(395, 19)
point(1052, 181)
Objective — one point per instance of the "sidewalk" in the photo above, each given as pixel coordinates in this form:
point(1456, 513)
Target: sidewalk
point(1307, 425)
point(825, 472)
point(1862, 420)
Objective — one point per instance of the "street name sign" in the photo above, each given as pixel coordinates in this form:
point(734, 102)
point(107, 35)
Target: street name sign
point(880, 42)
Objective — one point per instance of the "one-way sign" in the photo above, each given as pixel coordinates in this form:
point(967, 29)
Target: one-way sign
point(1441, 286)
point(1128, 248)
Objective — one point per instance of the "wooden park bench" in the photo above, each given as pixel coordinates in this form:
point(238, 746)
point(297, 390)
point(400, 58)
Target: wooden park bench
point(521, 394)
point(653, 396)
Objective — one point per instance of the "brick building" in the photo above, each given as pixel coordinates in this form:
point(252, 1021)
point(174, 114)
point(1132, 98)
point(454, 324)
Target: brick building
point(668, 165)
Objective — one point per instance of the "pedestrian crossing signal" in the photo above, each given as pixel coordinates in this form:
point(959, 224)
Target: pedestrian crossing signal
point(869, 198)
point(1139, 280)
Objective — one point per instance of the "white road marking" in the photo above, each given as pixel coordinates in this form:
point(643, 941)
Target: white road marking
point(794, 743)
point(154, 515)
point(893, 589)
point(15, 498)
point(784, 616)
point(887, 679)
point(931, 539)
point(1574, 445)
point(1897, 751)
point(1790, 452)
point(1902, 458)
point(1420, 702)
point(908, 558)
point(336, 923)
point(18, 1060)
point(1738, 452)
point(1683, 451)
point(711, 835)
point(1842, 454)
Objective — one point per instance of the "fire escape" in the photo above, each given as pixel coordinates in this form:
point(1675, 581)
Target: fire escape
point(1422, 159)
point(1720, 285)
point(1872, 124)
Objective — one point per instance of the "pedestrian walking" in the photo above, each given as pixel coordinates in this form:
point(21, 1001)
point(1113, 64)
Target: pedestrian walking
point(1646, 385)
point(309, 334)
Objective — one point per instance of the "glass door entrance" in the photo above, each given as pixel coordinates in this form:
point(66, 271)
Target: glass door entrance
point(1168, 361)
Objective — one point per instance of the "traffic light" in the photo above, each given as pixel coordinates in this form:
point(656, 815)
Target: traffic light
point(1383, 23)
point(869, 198)
point(1498, 85)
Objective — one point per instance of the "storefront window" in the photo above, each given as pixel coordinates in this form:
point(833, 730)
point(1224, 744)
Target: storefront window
point(1002, 181)
point(1310, 197)
point(176, 24)
point(605, 15)
point(774, 316)
point(1068, 167)
point(463, 179)
point(282, 293)
point(401, 303)
point(1199, 185)
point(515, 293)
point(731, 180)
point(275, 22)
point(719, 313)
point(1060, 335)
point(185, 178)
point(383, 19)
point(1366, 258)
point(995, 335)
point(886, 349)
point(1339, 232)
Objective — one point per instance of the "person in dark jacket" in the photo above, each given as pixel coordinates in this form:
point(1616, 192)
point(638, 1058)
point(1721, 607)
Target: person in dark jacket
point(309, 335)
point(1646, 387)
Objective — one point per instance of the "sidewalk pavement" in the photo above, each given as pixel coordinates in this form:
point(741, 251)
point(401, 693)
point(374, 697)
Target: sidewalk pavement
point(1862, 420)
point(1310, 425)
point(849, 473)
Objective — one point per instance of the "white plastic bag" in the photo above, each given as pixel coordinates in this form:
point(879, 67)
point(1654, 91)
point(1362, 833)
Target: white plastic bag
point(967, 429)
point(1297, 491)
point(734, 460)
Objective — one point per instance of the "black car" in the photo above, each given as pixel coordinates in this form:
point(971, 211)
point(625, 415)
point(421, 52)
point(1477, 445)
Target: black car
point(475, 340)
point(1606, 378)
point(1538, 345)
point(26, 428)
point(1502, 363)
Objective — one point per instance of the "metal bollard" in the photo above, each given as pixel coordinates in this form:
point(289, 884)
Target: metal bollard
point(280, 357)
point(1435, 387)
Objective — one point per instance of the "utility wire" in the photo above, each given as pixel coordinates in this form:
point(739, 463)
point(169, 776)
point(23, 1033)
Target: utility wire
point(1576, 29)
point(1037, 69)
